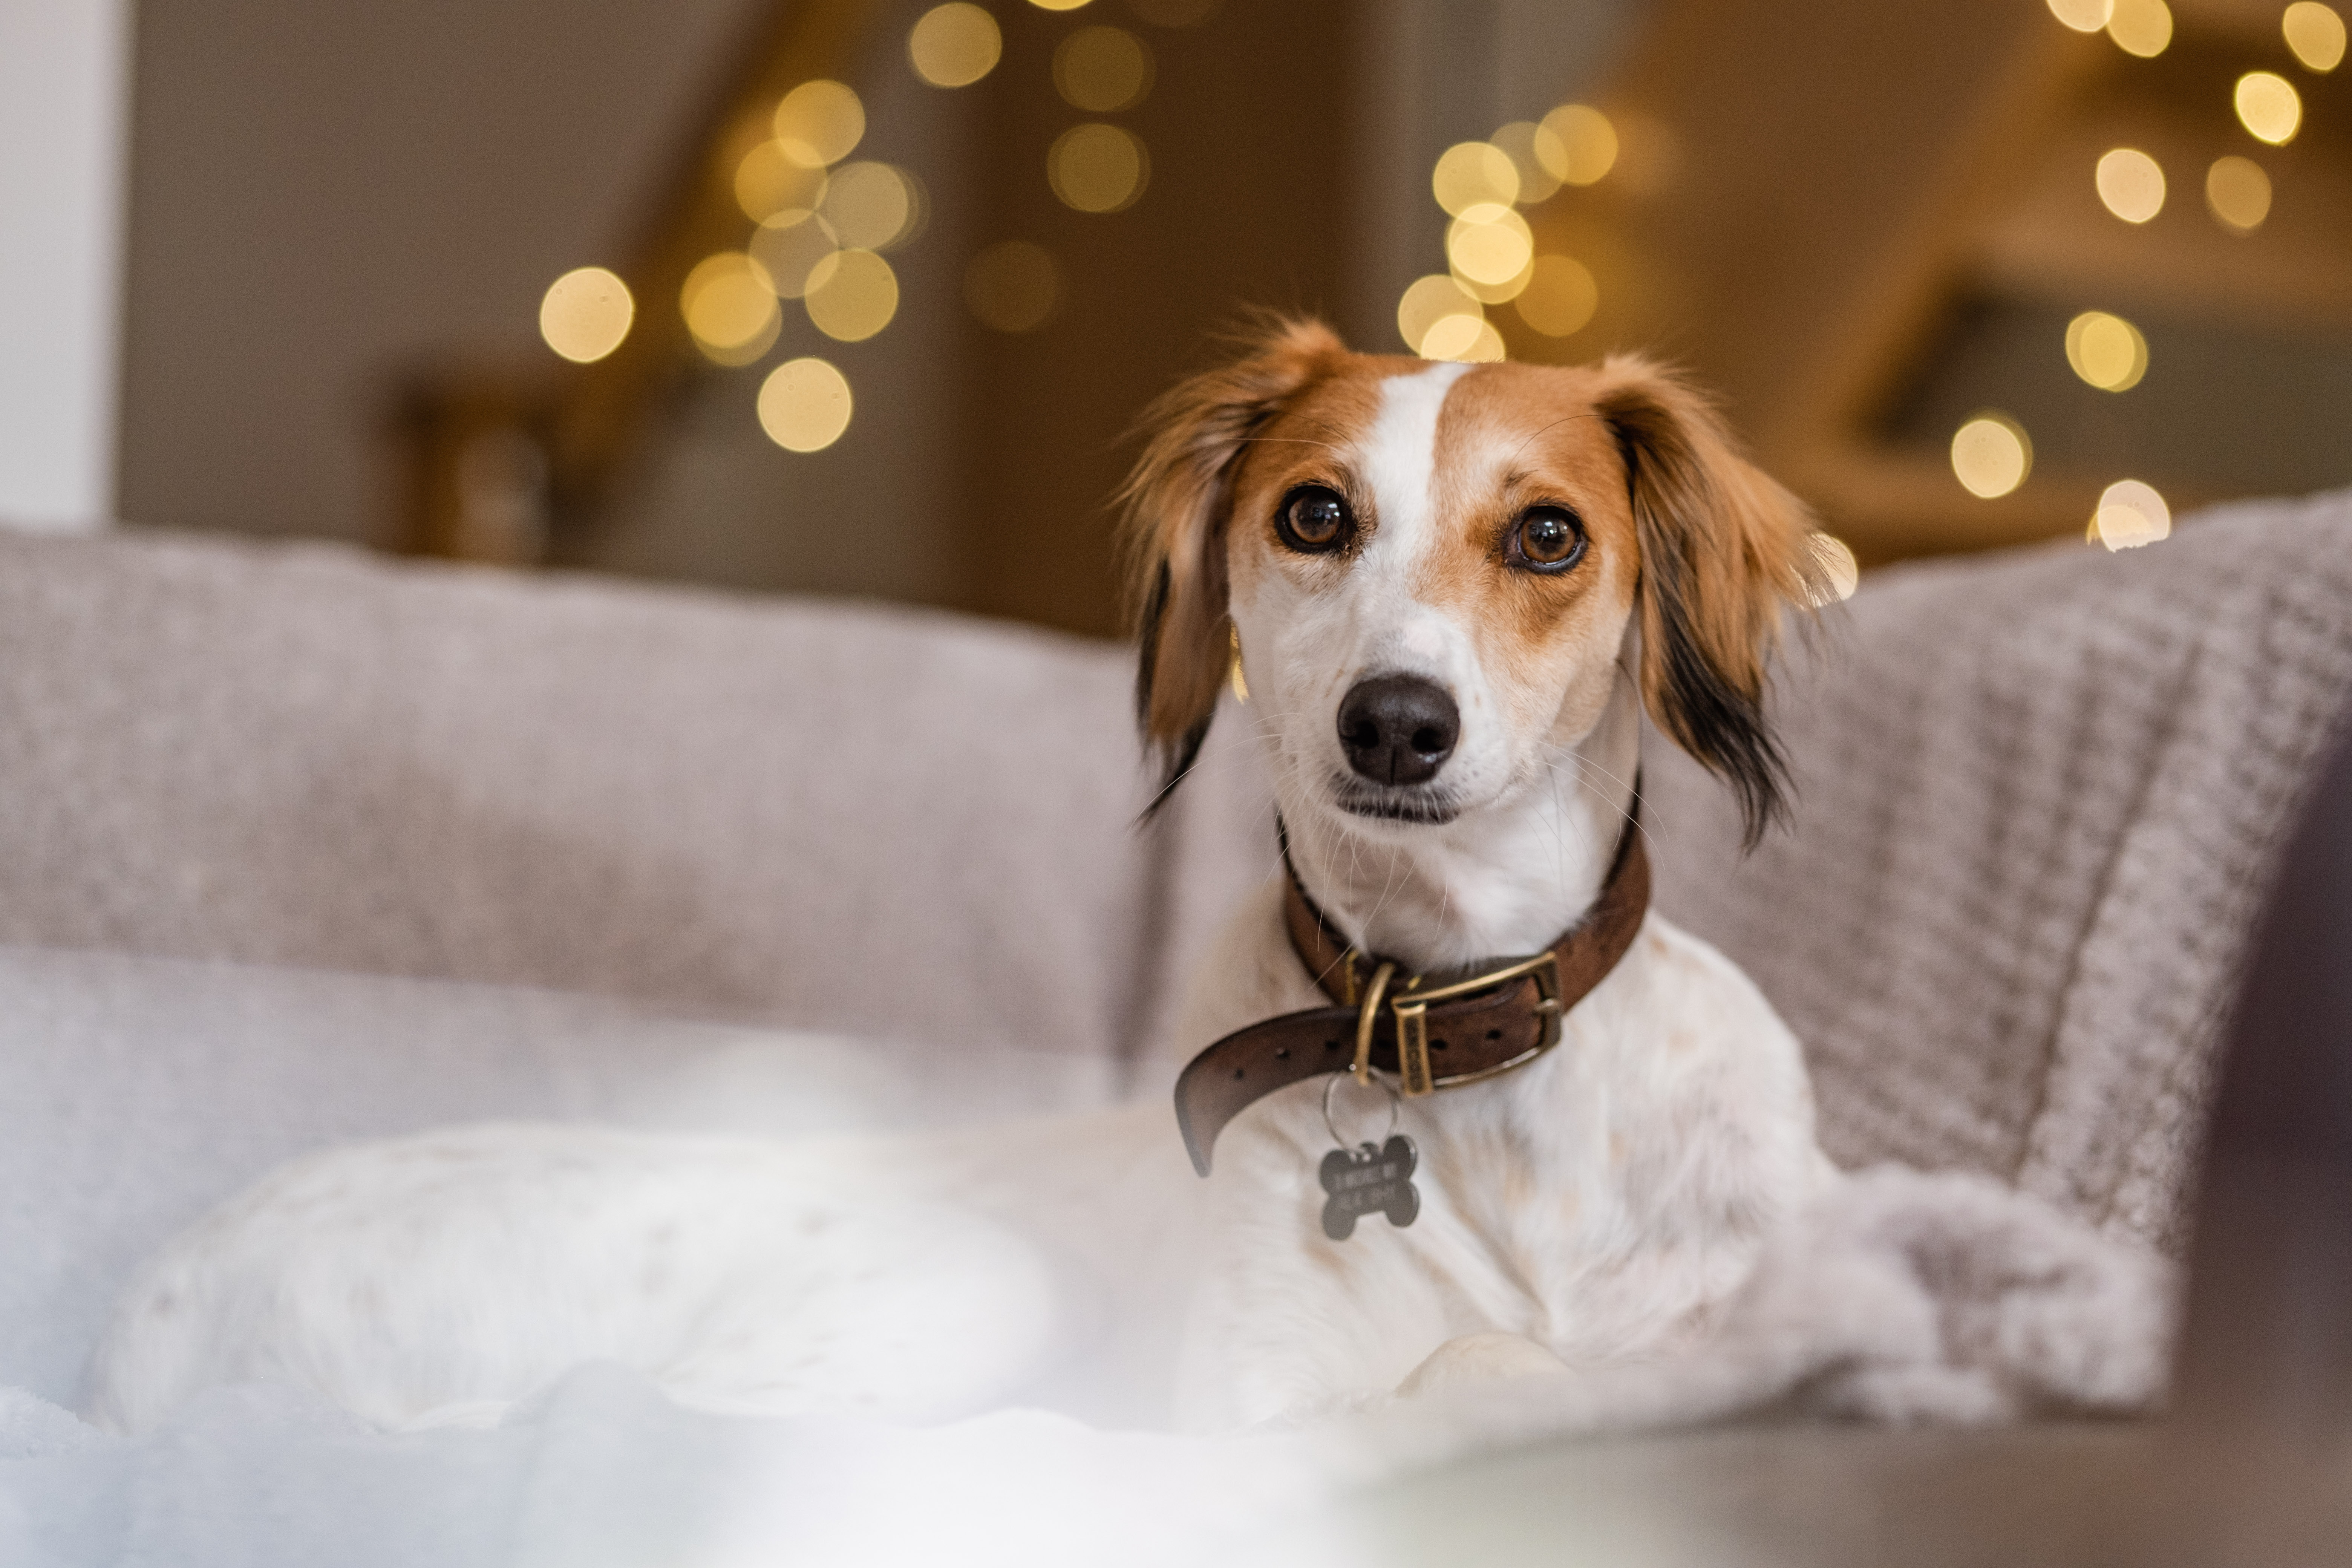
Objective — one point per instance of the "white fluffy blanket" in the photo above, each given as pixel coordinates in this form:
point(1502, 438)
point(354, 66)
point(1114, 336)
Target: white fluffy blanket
point(1902, 1298)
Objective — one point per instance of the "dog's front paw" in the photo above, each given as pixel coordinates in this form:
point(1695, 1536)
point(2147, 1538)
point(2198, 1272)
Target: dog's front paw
point(1477, 1359)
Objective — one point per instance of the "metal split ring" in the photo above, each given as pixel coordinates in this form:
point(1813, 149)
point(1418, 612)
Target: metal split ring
point(1331, 1087)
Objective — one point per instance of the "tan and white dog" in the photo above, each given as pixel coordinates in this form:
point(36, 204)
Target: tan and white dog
point(1453, 589)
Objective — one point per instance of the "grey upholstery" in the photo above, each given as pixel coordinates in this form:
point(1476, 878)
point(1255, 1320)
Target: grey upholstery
point(806, 813)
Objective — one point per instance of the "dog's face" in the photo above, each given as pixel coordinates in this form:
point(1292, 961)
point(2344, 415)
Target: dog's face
point(1431, 570)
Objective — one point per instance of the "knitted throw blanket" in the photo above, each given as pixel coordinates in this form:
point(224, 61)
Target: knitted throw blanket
point(2039, 799)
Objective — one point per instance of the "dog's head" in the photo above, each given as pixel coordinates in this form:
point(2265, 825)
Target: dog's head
point(1431, 570)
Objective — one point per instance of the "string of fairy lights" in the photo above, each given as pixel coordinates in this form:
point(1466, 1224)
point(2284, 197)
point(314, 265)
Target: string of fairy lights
point(822, 224)
point(1991, 452)
point(1490, 251)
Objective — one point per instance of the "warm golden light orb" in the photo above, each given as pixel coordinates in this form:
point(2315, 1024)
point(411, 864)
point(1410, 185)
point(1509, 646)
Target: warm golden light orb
point(852, 295)
point(2141, 28)
point(1587, 143)
point(789, 246)
point(1535, 152)
point(768, 180)
point(1990, 454)
point(819, 123)
point(1013, 286)
point(729, 305)
point(804, 405)
point(2131, 514)
point(585, 314)
point(2083, 15)
point(1472, 174)
point(1490, 247)
point(1430, 300)
point(2269, 107)
point(1838, 565)
point(2238, 193)
point(872, 206)
point(1102, 69)
point(1462, 338)
point(2106, 351)
point(1098, 168)
point(954, 44)
point(2315, 34)
point(1560, 297)
point(2131, 184)
point(1058, 4)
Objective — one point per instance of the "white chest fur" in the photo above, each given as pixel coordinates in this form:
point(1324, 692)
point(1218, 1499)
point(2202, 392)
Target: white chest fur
point(1596, 1202)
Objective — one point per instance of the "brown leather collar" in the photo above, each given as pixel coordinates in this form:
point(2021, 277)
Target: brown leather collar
point(1431, 1032)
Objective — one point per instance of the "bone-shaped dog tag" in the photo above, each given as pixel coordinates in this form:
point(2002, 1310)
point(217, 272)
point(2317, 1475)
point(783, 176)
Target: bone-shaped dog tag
point(1369, 1180)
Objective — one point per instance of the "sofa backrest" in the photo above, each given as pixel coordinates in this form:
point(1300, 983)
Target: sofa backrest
point(823, 815)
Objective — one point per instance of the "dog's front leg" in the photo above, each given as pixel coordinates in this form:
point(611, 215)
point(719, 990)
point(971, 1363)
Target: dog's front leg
point(1477, 1359)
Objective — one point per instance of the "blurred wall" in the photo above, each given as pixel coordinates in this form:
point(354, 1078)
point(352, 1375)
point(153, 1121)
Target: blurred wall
point(63, 81)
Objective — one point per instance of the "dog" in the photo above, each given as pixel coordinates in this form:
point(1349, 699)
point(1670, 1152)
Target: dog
point(1450, 592)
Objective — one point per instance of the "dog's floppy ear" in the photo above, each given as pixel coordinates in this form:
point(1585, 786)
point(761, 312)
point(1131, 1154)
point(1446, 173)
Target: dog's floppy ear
point(1175, 504)
point(1723, 549)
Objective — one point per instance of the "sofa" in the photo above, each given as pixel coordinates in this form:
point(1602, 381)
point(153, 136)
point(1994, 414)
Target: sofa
point(299, 846)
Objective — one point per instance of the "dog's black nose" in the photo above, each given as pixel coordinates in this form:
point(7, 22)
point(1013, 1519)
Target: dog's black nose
point(1398, 729)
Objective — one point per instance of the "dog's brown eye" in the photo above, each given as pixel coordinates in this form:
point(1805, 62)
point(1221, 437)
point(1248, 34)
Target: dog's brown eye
point(1312, 519)
point(1547, 538)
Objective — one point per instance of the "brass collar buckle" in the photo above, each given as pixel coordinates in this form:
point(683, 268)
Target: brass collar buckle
point(1411, 1011)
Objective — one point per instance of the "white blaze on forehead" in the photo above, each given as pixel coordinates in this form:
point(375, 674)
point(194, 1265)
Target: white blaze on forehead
point(1399, 459)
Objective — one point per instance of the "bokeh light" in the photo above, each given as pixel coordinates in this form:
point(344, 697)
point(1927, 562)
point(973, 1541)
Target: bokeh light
point(1098, 168)
point(1990, 454)
point(2269, 107)
point(1462, 338)
point(2083, 15)
point(1489, 248)
point(1103, 69)
point(2238, 193)
point(1560, 297)
point(1586, 140)
point(585, 314)
point(1430, 300)
point(2131, 514)
point(804, 405)
point(2315, 34)
point(2141, 28)
point(2106, 351)
point(789, 246)
point(1838, 565)
point(872, 206)
point(2131, 184)
point(1058, 4)
point(820, 123)
point(955, 45)
point(852, 295)
point(1474, 175)
point(729, 305)
point(1013, 286)
point(1535, 152)
point(768, 181)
